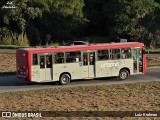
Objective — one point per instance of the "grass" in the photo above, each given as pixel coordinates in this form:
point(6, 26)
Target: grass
point(11, 46)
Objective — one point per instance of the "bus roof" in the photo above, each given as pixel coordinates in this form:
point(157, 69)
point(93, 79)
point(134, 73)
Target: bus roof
point(83, 47)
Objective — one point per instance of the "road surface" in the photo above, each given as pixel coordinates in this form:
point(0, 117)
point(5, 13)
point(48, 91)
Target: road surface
point(12, 83)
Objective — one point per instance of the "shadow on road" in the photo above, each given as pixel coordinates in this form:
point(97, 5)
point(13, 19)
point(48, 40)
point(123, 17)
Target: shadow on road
point(155, 74)
point(7, 73)
point(14, 81)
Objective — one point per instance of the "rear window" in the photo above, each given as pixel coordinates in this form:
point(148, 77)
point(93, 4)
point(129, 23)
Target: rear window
point(34, 59)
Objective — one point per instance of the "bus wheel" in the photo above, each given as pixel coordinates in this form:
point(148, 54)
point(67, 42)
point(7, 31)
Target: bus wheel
point(123, 74)
point(64, 79)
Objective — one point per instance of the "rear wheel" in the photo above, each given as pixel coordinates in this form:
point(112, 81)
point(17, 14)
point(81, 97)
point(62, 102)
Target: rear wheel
point(64, 79)
point(123, 74)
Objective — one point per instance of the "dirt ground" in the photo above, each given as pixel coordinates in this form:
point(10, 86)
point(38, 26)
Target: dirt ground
point(126, 97)
point(7, 62)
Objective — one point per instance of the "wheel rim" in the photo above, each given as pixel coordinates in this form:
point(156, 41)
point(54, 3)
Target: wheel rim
point(123, 75)
point(65, 79)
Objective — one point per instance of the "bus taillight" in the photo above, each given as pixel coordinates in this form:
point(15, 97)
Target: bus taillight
point(22, 72)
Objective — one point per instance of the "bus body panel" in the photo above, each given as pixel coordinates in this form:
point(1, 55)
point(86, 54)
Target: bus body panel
point(35, 73)
point(112, 67)
point(78, 70)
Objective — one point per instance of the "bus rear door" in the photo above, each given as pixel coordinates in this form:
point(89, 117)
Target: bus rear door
point(89, 65)
point(46, 67)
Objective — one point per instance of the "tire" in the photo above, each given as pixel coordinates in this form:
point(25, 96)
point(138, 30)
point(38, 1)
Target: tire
point(64, 79)
point(123, 74)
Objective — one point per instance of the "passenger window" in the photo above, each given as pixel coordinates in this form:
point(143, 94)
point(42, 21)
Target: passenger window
point(115, 54)
point(49, 61)
point(59, 58)
point(73, 57)
point(85, 59)
point(126, 53)
point(42, 62)
point(92, 58)
point(34, 59)
point(103, 55)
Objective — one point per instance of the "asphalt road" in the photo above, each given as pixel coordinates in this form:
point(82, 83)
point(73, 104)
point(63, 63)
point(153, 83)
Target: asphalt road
point(12, 83)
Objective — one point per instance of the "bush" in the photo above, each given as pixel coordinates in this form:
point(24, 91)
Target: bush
point(23, 42)
point(5, 37)
point(6, 40)
point(16, 39)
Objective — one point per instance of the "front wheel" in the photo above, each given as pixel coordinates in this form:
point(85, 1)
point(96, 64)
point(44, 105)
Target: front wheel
point(123, 74)
point(64, 79)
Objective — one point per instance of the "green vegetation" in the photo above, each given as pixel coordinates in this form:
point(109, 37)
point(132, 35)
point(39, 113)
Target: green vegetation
point(45, 22)
point(11, 46)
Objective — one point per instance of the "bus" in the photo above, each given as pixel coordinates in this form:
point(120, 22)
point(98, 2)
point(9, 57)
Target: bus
point(66, 63)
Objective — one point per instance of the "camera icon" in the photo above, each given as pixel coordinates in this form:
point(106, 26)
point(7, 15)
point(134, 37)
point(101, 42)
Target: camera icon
point(6, 114)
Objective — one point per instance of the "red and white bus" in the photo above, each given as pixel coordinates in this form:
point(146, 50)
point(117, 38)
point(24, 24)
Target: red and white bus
point(66, 63)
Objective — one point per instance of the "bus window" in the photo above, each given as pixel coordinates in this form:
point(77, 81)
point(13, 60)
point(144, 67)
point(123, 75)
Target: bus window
point(126, 53)
point(92, 58)
point(73, 57)
point(34, 59)
point(103, 54)
point(49, 61)
point(42, 62)
point(85, 59)
point(59, 58)
point(115, 53)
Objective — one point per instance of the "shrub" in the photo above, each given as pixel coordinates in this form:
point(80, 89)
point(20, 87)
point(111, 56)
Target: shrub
point(22, 42)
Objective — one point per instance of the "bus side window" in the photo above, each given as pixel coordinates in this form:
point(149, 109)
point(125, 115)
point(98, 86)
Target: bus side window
point(85, 60)
point(34, 59)
point(73, 57)
point(49, 61)
point(103, 54)
point(59, 58)
point(42, 62)
point(115, 53)
point(69, 58)
point(126, 53)
point(92, 58)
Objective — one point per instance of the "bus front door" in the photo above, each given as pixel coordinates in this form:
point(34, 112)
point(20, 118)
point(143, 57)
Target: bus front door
point(46, 67)
point(89, 65)
point(137, 60)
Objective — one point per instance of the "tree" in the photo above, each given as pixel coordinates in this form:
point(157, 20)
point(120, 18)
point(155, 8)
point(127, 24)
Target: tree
point(24, 11)
point(96, 20)
point(126, 17)
point(61, 20)
point(66, 17)
point(44, 18)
